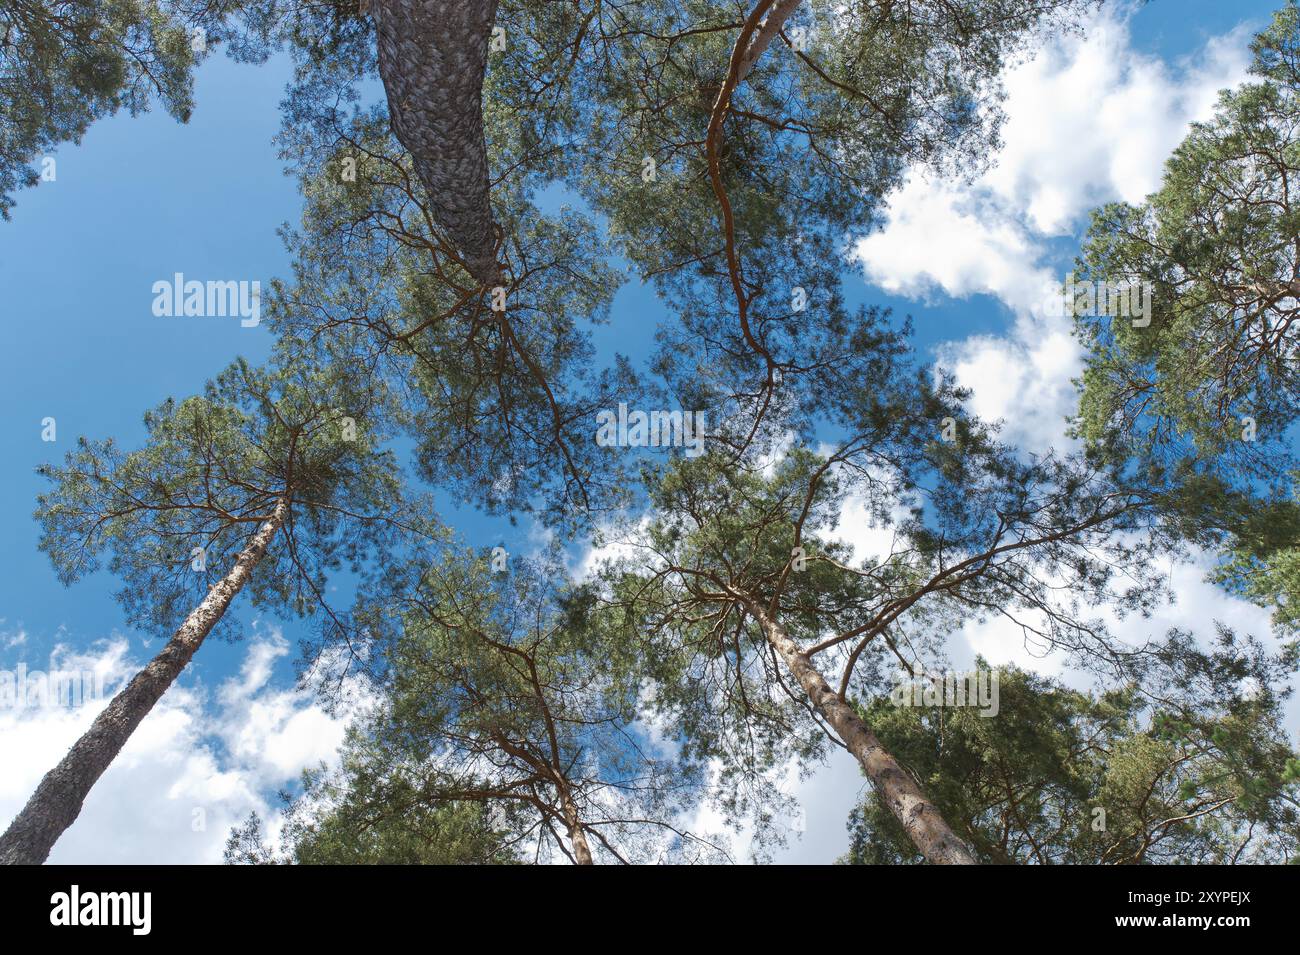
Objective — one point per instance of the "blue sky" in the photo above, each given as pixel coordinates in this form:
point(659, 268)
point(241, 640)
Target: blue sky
point(144, 197)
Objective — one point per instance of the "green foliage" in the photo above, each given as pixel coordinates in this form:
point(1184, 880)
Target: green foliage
point(492, 696)
point(1189, 764)
point(502, 403)
point(209, 473)
point(333, 824)
point(1207, 395)
point(499, 393)
point(1217, 244)
point(965, 531)
point(816, 136)
point(66, 63)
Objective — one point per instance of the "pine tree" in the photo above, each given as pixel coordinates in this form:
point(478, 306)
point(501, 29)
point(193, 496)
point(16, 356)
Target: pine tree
point(736, 580)
point(1186, 765)
point(496, 705)
point(266, 483)
point(1200, 395)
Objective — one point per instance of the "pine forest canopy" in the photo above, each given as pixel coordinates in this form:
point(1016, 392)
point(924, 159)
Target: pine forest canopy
point(440, 332)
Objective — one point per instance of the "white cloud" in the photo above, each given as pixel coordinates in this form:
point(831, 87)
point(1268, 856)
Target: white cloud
point(197, 764)
point(1089, 120)
point(943, 237)
point(1196, 606)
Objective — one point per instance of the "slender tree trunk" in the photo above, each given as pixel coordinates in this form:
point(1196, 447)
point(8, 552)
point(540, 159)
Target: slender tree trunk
point(577, 836)
point(58, 799)
point(921, 819)
point(432, 58)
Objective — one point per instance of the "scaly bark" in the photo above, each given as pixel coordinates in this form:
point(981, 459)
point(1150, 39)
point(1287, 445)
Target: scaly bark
point(432, 58)
point(921, 819)
point(58, 799)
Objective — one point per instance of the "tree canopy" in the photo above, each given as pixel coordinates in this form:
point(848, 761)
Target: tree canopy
point(698, 620)
point(1188, 765)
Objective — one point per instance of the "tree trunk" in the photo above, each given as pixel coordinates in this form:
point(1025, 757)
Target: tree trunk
point(58, 799)
point(581, 851)
point(771, 24)
point(432, 58)
point(919, 817)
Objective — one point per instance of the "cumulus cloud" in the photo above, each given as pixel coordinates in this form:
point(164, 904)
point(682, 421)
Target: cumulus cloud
point(1089, 120)
point(197, 764)
point(1196, 604)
